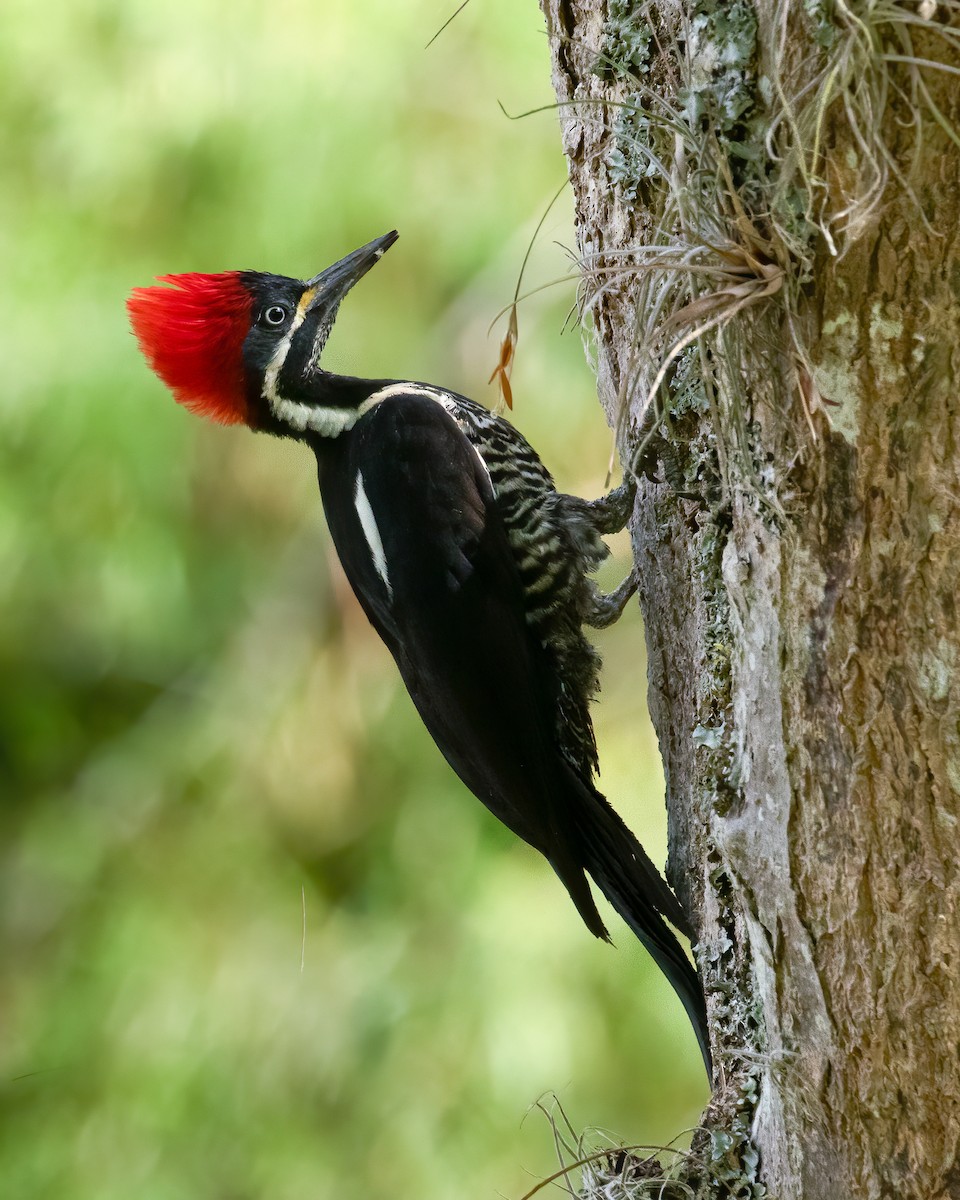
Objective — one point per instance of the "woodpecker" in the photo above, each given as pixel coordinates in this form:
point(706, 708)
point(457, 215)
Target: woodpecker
point(468, 562)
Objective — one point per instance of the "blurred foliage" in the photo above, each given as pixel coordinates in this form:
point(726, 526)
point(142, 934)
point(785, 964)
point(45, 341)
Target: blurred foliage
point(203, 748)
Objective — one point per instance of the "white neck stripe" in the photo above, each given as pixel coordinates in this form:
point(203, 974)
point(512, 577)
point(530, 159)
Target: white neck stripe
point(328, 420)
point(318, 418)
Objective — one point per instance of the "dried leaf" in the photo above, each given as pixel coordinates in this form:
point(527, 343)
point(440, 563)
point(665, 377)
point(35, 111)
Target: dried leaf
point(501, 372)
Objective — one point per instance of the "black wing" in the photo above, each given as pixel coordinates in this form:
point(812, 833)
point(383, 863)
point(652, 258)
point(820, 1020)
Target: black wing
point(415, 522)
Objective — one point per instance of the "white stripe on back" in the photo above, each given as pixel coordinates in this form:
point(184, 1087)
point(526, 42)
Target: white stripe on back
point(411, 389)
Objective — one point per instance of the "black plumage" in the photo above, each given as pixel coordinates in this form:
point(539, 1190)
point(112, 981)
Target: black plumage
point(473, 568)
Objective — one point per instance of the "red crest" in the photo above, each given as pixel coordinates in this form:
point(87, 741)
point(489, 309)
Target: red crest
point(192, 335)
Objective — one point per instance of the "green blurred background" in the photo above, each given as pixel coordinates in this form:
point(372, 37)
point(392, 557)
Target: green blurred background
point(200, 738)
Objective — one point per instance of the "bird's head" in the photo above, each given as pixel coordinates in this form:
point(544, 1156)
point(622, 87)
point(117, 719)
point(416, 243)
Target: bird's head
point(244, 346)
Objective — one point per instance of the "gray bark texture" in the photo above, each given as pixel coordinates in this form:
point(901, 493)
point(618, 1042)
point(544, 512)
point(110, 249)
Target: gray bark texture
point(798, 534)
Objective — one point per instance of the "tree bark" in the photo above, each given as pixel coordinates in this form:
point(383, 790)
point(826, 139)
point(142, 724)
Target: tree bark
point(798, 534)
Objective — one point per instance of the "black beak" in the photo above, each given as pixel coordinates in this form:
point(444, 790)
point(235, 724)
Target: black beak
point(330, 286)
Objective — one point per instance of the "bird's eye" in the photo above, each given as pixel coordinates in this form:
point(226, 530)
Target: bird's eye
point(273, 315)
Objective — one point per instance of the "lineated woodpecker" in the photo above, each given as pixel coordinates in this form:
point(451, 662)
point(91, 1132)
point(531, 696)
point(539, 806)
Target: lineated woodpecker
point(468, 562)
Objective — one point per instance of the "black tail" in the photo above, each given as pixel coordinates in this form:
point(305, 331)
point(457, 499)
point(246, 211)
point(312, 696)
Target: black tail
point(619, 866)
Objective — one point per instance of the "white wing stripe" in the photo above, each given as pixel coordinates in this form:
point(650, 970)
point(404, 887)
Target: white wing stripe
point(368, 523)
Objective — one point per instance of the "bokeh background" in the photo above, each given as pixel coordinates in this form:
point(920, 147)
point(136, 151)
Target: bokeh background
point(257, 941)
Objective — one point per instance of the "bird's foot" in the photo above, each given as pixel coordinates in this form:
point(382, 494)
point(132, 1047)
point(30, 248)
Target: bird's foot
point(608, 607)
point(611, 512)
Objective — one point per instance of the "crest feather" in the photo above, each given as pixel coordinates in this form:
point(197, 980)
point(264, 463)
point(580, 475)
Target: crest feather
point(192, 334)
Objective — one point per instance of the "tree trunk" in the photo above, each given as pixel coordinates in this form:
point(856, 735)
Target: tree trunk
point(799, 540)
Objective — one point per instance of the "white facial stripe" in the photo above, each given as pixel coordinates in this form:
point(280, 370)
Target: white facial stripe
point(326, 421)
point(274, 367)
point(370, 531)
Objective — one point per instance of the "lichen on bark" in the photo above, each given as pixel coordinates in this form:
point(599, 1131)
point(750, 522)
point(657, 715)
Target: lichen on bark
point(798, 539)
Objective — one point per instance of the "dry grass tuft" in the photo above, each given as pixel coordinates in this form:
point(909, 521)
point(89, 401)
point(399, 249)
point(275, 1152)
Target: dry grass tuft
point(733, 171)
point(608, 1171)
